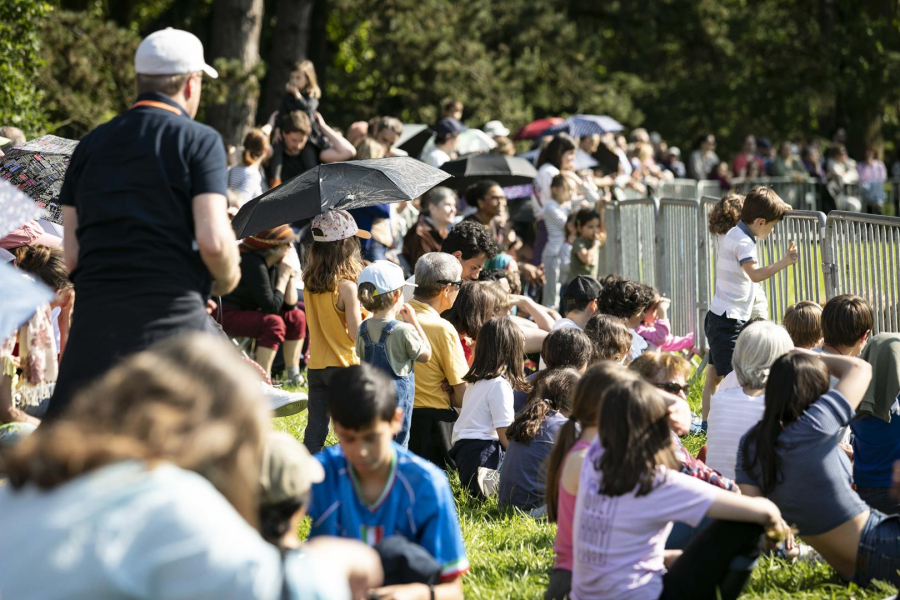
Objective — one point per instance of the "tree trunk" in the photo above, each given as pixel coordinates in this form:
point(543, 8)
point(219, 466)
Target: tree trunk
point(236, 26)
point(289, 46)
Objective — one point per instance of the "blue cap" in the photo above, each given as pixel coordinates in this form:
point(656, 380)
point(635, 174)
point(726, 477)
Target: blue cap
point(448, 126)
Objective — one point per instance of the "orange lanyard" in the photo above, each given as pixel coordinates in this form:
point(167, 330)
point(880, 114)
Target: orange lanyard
point(156, 104)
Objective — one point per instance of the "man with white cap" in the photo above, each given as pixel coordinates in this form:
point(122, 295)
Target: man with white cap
point(147, 236)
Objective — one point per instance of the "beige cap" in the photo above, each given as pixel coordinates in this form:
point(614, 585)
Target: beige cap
point(288, 470)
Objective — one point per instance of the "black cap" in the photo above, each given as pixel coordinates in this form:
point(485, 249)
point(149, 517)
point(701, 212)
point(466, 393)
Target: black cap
point(582, 289)
point(448, 126)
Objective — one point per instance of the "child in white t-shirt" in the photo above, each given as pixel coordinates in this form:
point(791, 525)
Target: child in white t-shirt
point(479, 434)
point(629, 495)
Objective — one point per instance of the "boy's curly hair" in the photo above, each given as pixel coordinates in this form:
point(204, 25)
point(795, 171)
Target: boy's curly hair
point(726, 213)
point(624, 298)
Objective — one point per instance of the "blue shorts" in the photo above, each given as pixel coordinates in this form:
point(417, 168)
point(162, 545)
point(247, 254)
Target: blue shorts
point(722, 334)
point(878, 556)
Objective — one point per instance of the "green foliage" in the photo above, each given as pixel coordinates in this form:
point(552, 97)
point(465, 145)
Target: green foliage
point(20, 59)
point(503, 59)
point(89, 77)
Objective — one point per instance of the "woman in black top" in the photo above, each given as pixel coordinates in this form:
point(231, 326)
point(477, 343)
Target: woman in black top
point(264, 304)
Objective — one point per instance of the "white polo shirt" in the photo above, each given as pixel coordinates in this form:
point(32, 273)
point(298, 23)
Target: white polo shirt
point(735, 292)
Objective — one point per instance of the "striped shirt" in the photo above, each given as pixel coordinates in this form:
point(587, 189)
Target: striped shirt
point(813, 489)
point(246, 181)
point(735, 292)
point(732, 413)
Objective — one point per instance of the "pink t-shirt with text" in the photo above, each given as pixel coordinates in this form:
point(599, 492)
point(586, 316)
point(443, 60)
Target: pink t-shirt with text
point(619, 541)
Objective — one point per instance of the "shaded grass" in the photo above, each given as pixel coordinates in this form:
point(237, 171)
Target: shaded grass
point(511, 554)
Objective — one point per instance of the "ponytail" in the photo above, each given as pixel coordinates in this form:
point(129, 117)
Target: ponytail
point(565, 439)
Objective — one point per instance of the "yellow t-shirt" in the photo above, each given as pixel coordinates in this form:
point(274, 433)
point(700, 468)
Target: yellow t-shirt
point(329, 344)
point(447, 359)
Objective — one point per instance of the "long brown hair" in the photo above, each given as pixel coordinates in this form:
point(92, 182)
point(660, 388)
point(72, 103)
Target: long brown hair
point(634, 431)
point(312, 82)
point(551, 391)
point(256, 144)
point(586, 402)
point(475, 304)
point(189, 401)
point(329, 262)
point(500, 352)
point(796, 380)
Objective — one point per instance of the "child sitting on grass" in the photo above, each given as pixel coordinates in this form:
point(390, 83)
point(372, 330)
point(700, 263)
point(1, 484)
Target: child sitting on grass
point(564, 466)
point(803, 322)
point(479, 434)
point(610, 338)
point(626, 300)
point(630, 493)
point(738, 275)
point(586, 247)
point(531, 438)
point(399, 344)
point(375, 489)
point(656, 329)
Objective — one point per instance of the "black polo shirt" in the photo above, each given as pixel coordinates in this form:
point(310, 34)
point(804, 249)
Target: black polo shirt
point(132, 181)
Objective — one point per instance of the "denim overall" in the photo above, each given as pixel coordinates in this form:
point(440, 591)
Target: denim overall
point(376, 355)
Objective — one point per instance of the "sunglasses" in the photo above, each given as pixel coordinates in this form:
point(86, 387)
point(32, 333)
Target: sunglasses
point(456, 283)
point(673, 388)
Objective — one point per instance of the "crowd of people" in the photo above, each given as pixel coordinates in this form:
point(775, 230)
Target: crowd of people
point(468, 335)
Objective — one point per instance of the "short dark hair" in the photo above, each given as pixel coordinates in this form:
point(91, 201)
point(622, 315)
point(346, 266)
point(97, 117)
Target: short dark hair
point(371, 301)
point(477, 191)
point(586, 215)
point(296, 121)
point(609, 337)
point(624, 298)
point(470, 239)
point(168, 85)
point(763, 203)
point(845, 319)
point(361, 395)
point(567, 347)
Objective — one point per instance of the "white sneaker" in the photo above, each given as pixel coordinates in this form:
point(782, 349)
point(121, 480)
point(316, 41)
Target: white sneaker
point(283, 403)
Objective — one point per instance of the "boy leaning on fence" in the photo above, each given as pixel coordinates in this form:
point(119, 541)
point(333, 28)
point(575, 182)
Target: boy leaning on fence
point(738, 275)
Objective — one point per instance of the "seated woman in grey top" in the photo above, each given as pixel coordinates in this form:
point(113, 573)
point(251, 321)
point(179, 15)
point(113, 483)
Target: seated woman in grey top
point(792, 457)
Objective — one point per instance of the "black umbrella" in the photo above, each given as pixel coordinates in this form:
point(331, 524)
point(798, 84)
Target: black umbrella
point(413, 139)
point(505, 170)
point(344, 185)
point(37, 168)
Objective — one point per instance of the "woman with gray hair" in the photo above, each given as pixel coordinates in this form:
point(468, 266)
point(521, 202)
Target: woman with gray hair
point(734, 411)
point(438, 210)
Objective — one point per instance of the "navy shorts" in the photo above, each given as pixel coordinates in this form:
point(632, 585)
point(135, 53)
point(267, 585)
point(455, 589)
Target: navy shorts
point(722, 334)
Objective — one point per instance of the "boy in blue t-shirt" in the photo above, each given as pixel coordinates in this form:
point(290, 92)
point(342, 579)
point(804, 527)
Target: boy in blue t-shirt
point(738, 275)
point(374, 488)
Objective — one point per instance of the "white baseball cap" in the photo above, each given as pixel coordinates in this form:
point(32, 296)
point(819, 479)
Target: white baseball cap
point(171, 52)
point(495, 129)
point(385, 276)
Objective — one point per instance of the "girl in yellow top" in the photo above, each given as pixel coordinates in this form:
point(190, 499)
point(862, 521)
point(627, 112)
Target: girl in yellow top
point(332, 311)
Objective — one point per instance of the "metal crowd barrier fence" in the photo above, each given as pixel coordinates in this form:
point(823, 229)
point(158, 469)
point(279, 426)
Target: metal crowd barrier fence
point(861, 257)
point(609, 251)
point(707, 254)
point(635, 238)
point(800, 194)
point(685, 189)
point(805, 279)
point(677, 245)
point(709, 187)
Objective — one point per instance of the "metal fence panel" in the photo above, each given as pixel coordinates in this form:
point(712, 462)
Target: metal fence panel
point(861, 257)
point(800, 194)
point(805, 279)
point(609, 251)
point(677, 188)
point(709, 187)
point(707, 252)
point(636, 239)
point(677, 246)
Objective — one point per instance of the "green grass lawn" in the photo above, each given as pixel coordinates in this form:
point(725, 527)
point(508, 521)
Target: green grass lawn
point(511, 554)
